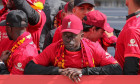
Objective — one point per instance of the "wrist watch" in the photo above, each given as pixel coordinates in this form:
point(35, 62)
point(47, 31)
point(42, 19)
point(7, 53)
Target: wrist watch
point(1, 62)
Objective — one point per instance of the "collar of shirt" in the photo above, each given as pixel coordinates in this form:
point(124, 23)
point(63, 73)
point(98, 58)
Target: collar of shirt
point(133, 14)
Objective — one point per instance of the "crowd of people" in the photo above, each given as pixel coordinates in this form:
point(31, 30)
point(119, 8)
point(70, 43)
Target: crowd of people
point(71, 41)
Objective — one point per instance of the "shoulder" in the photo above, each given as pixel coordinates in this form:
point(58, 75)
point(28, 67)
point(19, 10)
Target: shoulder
point(90, 43)
point(53, 46)
point(133, 23)
point(29, 50)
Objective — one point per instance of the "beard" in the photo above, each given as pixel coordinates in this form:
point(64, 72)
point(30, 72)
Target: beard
point(10, 38)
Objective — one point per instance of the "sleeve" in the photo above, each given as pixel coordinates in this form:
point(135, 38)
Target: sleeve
point(32, 68)
point(132, 43)
point(46, 57)
point(112, 69)
point(33, 15)
point(19, 63)
point(102, 57)
point(131, 66)
point(3, 69)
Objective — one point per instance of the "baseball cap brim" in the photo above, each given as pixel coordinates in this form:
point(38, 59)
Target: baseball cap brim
point(108, 28)
point(3, 23)
point(71, 30)
point(85, 3)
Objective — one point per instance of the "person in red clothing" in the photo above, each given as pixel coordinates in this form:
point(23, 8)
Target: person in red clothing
point(36, 17)
point(95, 23)
point(3, 35)
point(81, 8)
point(128, 44)
point(74, 55)
point(23, 49)
point(2, 17)
point(67, 11)
point(4, 9)
point(55, 34)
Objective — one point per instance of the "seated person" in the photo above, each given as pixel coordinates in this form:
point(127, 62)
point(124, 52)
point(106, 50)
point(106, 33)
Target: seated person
point(73, 55)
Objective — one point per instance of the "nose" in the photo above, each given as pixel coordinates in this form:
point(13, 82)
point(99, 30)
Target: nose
point(69, 41)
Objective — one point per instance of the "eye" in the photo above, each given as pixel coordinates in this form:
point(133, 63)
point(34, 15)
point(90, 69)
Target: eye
point(89, 8)
point(81, 8)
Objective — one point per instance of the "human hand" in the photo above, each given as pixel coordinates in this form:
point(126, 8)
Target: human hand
point(73, 73)
point(5, 55)
point(109, 34)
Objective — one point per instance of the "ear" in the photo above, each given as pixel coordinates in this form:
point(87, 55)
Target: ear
point(92, 29)
point(126, 2)
point(73, 10)
point(82, 34)
point(63, 14)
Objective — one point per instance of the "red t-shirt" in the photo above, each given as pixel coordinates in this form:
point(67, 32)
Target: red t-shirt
point(74, 59)
point(57, 35)
point(5, 43)
point(22, 54)
point(36, 29)
point(128, 42)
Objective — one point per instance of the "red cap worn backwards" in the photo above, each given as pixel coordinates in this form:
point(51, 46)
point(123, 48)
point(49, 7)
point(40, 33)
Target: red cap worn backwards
point(72, 23)
point(98, 19)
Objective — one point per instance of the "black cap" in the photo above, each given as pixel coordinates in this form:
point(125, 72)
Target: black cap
point(80, 2)
point(15, 18)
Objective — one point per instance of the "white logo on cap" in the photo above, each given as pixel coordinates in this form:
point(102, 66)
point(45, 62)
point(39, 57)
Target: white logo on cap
point(69, 23)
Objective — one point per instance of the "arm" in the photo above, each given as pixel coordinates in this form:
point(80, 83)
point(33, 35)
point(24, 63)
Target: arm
point(3, 69)
point(75, 74)
point(32, 68)
point(112, 69)
point(3, 58)
point(33, 15)
point(131, 66)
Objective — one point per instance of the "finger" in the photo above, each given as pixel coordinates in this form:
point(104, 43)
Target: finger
point(75, 77)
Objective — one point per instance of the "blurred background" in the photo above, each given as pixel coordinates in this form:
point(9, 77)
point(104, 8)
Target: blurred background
point(115, 10)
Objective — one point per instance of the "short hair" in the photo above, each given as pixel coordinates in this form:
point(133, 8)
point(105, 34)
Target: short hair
point(86, 27)
point(70, 6)
point(137, 2)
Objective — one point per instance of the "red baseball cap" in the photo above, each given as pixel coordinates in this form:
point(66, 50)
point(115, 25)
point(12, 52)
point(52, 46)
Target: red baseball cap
point(72, 23)
point(98, 19)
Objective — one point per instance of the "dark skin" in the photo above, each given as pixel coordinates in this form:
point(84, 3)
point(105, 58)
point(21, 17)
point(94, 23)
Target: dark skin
point(10, 5)
point(72, 43)
point(13, 33)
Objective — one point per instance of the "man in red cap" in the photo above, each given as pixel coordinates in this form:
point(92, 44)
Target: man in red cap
point(95, 23)
point(82, 7)
point(128, 43)
point(23, 48)
point(74, 55)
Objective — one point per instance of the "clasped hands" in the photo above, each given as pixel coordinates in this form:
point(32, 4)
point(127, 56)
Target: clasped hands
point(73, 73)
